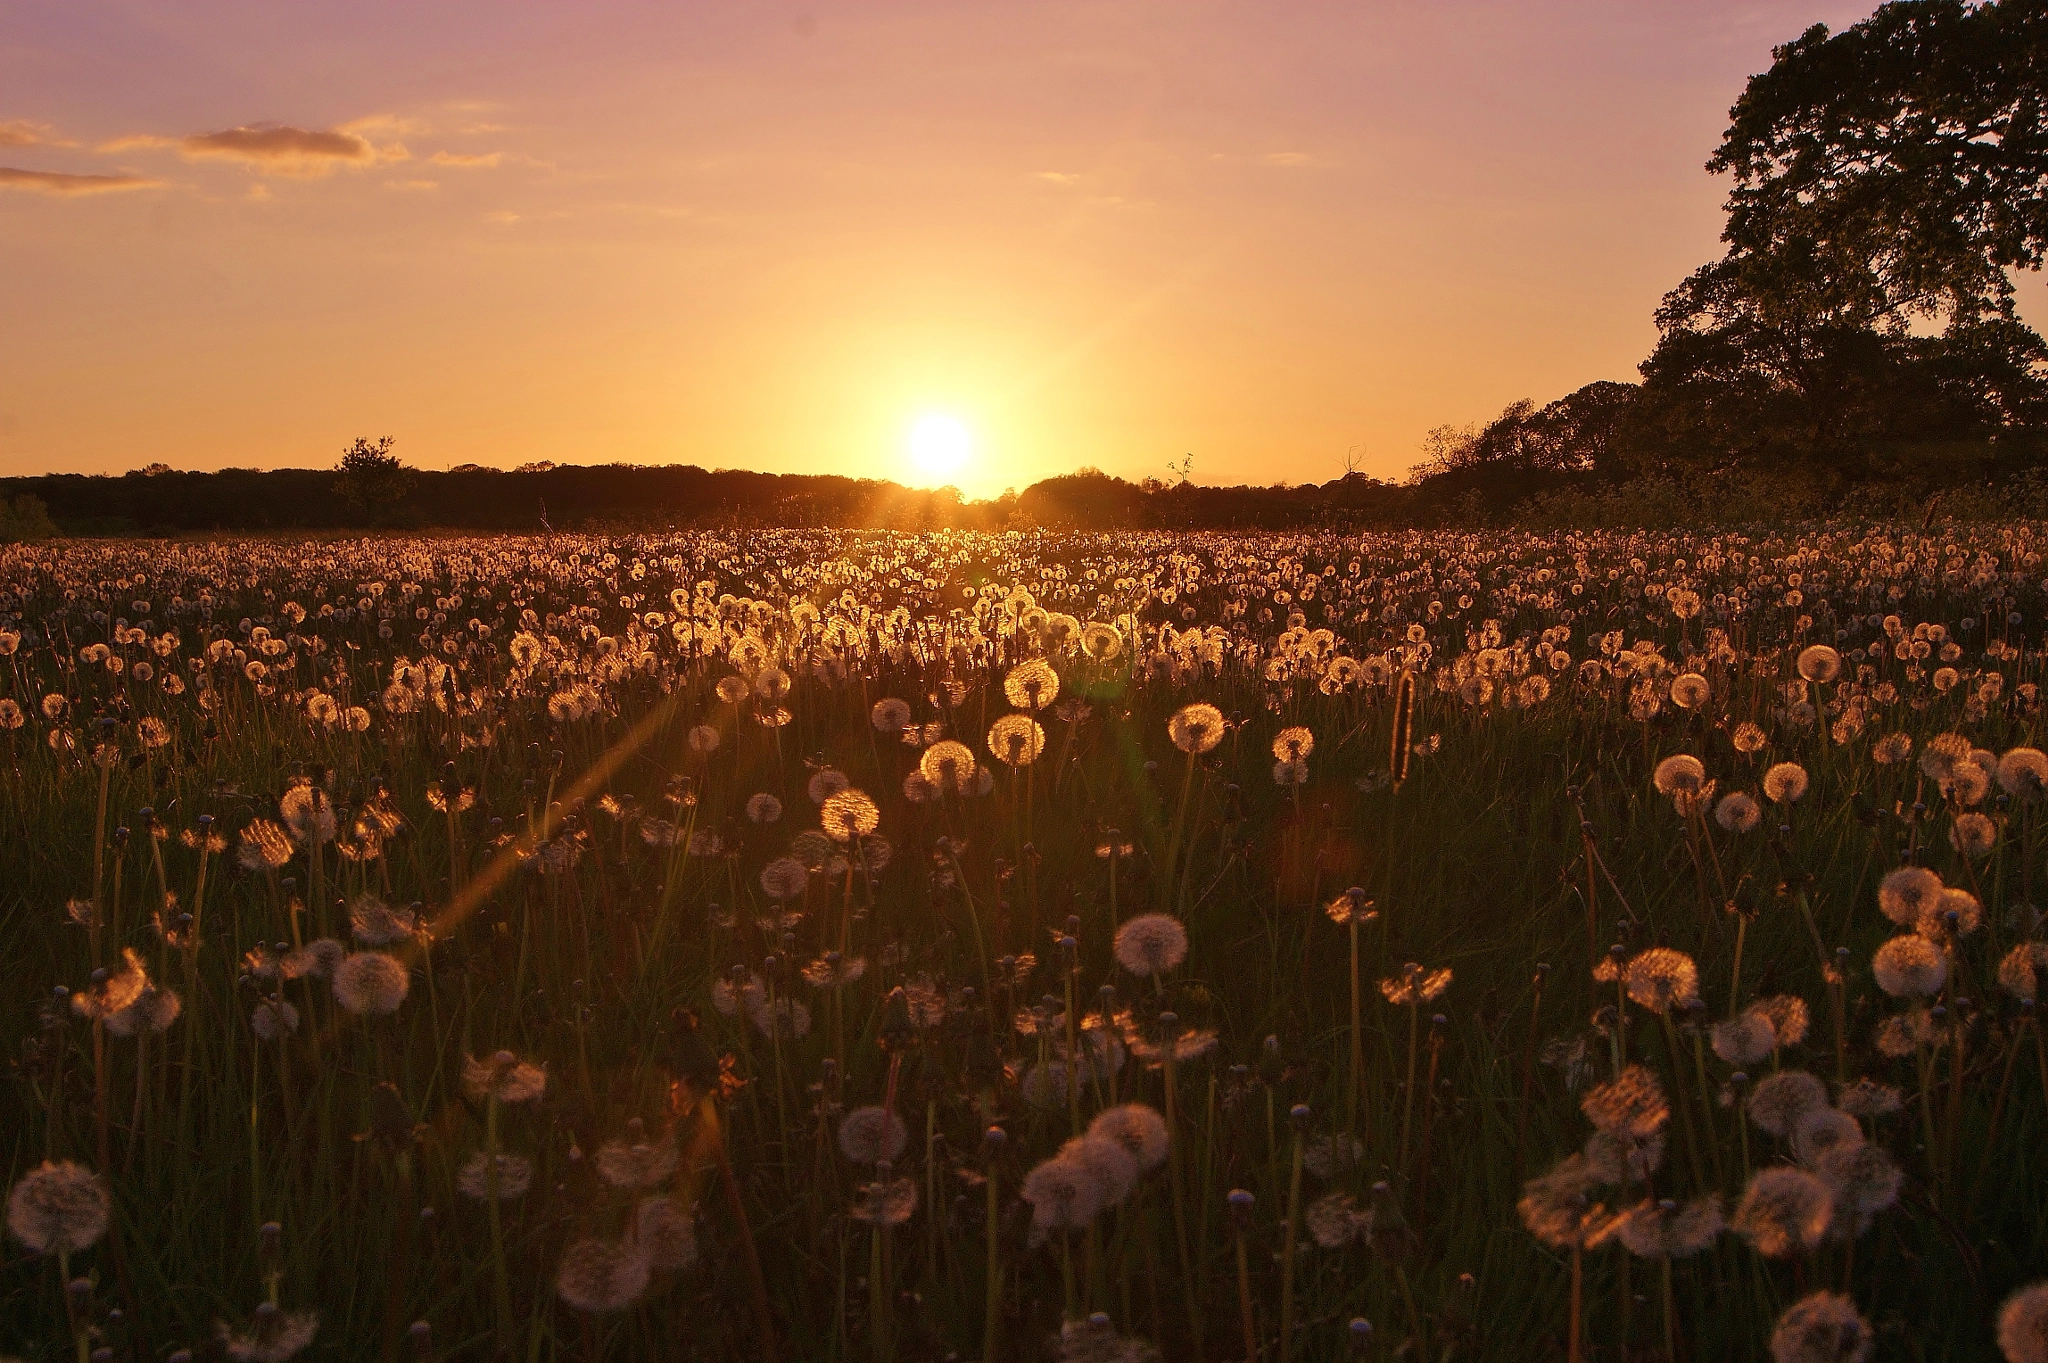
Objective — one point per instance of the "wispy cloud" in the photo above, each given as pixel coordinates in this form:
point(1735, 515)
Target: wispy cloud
point(1288, 158)
point(1058, 177)
point(478, 162)
point(71, 186)
point(21, 132)
point(281, 149)
point(412, 184)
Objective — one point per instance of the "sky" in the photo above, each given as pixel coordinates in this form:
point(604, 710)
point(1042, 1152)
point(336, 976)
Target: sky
point(977, 242)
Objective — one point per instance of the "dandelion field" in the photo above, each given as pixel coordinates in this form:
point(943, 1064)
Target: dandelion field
point(821, 945)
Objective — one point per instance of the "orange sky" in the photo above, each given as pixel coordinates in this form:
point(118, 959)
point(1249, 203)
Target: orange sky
point(772, 235)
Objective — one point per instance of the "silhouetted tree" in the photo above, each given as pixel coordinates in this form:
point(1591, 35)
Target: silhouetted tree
point(372, 479)
point(1886, 180)
point(1899, 165)
point(25, 520)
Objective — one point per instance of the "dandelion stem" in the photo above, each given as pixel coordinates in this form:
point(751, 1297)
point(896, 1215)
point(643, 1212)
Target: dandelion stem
point(1287, 1254)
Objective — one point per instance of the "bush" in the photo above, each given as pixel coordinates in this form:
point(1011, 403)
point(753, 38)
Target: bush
point(25, 519)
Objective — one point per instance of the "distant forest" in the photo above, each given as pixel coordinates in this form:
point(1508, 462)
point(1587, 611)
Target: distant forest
point(1856, 350)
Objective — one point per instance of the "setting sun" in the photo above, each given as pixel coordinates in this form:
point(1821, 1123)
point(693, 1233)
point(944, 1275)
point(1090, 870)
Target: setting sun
point(940, 446)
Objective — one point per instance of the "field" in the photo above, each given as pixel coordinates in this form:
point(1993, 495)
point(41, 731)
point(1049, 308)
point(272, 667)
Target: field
point(811, 945)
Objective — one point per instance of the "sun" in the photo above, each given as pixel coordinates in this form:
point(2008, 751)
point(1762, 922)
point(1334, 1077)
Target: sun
point(940, 445)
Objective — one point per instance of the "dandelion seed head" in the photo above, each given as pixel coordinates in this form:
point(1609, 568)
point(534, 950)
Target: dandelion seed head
point(58, 1205)
point(1150, 944)
point(1973, 834)
point(1864, 1180)
point(1619, 1158)
point(1909, 966)
point(889, 715)
point(2023, 773)
point(1738, 813)
point(1016, 740)
point(1108, 1160)
point(888, 1202)
point(1293, 744)
point(1779, 1100)
point(641, 1164)
point(1784, 1211)
point(949, 766)
point(849, 814)
point(376, 924)
point(825, 783)
point(2019, 970)
point(1334, 1221)
point(785, 878)
point(1909, 892)
point(1822, 1328)
point(1631, 1104)
point(873, 1135)
point(1821, 1130)
point(370, 982)
point(265, 846)
point(1670, 1230)
point(273, 1336)
point(274, 1020)
point(1744, 1039)
point(1868, 1098)
point(154, 1010)
point(515, 1175)
point(2023, 1325)
point(1680, 773)
point(1556, 1206)
point(1662, 979)
point(1196, 728)
point(1064, 1193)
point(1785, 783)
point(1819, 663)
point(1787, 1015)
point(502, 1076)
point(664, 1231)
point(601, 1276)
point(1690, 691)
point(1032, 685)
point(1138, 1128)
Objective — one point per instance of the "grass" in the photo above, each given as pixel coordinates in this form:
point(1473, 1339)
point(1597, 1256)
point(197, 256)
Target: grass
point(572, 924)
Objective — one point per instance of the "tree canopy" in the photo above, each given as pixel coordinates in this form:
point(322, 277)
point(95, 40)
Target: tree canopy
point(1888, 183)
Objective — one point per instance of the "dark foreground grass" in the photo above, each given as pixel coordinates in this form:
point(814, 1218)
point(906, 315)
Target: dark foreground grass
point(569, 921)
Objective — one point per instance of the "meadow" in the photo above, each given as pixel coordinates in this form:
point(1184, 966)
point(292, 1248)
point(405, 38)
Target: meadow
point(827, 945)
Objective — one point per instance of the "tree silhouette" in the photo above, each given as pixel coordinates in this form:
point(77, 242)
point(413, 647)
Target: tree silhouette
point(372, 479)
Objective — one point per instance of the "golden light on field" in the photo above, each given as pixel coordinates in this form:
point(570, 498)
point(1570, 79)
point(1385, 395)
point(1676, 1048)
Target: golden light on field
point(941, 448)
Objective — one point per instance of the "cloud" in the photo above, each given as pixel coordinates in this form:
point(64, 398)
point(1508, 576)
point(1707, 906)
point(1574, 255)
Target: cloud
point(1058, 177)
point(286, 150)
point(1288, 158)
point(281, 149)
point(55, 182)
point(454, 158)
point(22, 133)
point(412, 184)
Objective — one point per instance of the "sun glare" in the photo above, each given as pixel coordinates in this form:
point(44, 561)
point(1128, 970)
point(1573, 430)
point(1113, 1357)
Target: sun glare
point(940, 445)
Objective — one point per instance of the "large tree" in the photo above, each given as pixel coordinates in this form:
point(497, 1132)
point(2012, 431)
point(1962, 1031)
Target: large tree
point(1888, 182)
point(1899, 168)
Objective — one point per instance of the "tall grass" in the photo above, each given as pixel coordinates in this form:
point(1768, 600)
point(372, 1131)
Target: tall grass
point(604, 907)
